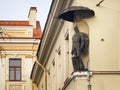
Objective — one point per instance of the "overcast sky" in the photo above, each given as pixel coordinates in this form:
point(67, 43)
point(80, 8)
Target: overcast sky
point(19, 9)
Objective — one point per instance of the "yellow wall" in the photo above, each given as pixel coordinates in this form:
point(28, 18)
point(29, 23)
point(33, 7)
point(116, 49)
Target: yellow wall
point(78, 84)
point(103, 55)
point(2, 74)
point(105, 82)
point(25, 83)
point(24, 48)
point(34, 87)
point(104, 45)
point(103, 30)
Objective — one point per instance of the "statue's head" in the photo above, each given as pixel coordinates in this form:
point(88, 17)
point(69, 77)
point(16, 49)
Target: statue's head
point(76, 29)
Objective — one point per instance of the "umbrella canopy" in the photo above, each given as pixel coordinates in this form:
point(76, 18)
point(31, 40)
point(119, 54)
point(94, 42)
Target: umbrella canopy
point(76, 13)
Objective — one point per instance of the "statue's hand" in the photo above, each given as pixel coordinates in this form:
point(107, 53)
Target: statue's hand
point(72, 52)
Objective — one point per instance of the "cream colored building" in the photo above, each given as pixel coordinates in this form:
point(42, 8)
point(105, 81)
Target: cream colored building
point(103, 61)
point(19, 41)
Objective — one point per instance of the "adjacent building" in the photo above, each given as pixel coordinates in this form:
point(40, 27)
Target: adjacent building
point(19, 41)
point(103, 60)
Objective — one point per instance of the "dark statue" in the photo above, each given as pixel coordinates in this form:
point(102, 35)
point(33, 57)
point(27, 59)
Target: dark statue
point(80, 44)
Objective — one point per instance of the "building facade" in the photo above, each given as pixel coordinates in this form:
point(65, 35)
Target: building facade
point(103, 60)
point(19, 41)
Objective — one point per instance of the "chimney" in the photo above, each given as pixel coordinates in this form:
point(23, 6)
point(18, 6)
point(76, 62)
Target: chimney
point(32, 16)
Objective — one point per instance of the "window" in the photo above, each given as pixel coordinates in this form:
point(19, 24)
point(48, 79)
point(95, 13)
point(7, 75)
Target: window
point(14, 69)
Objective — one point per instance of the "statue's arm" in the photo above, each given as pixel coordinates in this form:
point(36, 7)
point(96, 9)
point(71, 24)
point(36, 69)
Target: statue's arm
point(81, 41)
point(72, 50)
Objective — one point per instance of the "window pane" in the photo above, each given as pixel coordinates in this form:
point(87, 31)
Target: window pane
point(15, 62)
point(17, 73)
point(15, 69)
point(12, 74)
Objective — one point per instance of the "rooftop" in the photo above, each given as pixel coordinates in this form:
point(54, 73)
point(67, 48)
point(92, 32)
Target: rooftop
point(37, 32)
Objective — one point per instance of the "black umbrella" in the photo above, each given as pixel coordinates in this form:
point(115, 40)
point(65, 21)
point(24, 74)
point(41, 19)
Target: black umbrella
point(76, 13)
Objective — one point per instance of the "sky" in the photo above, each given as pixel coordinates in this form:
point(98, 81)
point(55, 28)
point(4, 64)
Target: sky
point(19, 9)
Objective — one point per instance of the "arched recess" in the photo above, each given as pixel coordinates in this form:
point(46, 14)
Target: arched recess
point(83, 26)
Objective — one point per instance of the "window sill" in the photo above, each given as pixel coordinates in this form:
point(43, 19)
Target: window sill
point(16, 81)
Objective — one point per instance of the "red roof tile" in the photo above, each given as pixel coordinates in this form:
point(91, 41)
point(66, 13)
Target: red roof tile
point(14, 23)
point(37, 33)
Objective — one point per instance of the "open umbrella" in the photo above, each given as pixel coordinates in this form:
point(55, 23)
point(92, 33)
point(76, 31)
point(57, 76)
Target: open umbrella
point(76, 13)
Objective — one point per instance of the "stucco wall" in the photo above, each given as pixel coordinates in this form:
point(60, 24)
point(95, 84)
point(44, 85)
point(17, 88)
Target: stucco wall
point(104, 45)
point(105, 82)
point(2, 73)
point(25, 83)
point(104, 34)
point(60, 56)
point(103, 30)
point(77, 84)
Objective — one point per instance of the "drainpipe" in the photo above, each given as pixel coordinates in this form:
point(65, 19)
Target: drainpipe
point(89, 84)
point(45, 74)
